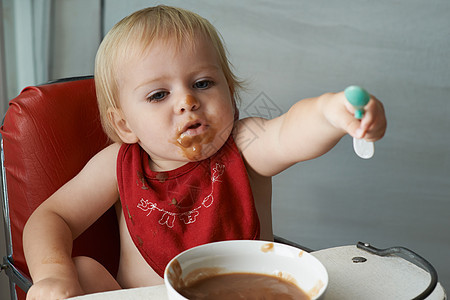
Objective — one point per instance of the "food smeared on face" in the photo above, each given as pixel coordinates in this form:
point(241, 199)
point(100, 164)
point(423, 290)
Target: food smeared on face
point(193, 135)
point(192, 145)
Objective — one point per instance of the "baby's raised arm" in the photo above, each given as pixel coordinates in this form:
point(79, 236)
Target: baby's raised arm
point(49, 232)
point(309, 129)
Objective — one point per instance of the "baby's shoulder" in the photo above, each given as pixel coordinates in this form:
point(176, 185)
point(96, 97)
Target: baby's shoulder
point(107, 155)
point(104, 161)
point(247, 130)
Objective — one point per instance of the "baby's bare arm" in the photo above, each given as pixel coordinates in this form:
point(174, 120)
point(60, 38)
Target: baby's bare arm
point(309, 129)
point(49, 232)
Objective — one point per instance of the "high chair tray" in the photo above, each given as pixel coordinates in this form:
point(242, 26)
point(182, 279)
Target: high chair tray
point(357, 274)
point(353, 274)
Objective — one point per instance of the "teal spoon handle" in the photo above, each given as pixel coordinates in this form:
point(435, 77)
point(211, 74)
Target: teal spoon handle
point(358, 97)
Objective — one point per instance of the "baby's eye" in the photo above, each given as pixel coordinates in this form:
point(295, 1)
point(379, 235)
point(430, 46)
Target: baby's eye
point(203, 84)
point(157, 96)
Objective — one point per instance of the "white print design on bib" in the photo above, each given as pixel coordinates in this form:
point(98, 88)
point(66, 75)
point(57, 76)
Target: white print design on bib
point(189, 217)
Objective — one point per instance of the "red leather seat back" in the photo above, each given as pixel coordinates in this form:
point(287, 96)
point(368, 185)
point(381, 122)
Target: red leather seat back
point(49, 133)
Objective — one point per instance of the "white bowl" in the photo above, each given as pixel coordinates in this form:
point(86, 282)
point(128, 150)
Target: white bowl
point(243, 256)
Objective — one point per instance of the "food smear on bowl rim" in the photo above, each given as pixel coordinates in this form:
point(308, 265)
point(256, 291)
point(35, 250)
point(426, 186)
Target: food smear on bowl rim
point(243, 286)
point(316, 289)
point(267, 247)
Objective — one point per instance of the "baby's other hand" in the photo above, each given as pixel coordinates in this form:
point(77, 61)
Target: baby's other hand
point(340, 113)
point(54, 288)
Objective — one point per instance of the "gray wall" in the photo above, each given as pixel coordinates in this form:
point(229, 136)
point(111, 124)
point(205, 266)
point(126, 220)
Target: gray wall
point(289, 50)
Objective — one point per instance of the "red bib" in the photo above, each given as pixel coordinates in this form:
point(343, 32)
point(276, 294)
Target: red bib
point(200, 202)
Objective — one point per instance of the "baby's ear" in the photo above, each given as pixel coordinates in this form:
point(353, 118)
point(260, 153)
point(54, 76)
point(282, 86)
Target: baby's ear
point(121, 126)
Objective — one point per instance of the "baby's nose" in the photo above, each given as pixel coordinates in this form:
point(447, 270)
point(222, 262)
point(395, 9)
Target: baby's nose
point(190, 103)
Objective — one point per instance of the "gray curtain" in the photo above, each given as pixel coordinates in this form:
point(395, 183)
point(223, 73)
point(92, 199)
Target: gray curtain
point(25, 42)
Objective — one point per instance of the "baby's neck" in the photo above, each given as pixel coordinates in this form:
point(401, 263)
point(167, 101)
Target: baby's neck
point(165, 165)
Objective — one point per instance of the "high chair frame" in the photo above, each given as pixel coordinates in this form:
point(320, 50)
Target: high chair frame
point(48, 134)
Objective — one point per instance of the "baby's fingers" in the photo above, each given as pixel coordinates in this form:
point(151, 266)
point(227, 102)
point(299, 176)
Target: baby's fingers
point(373, 124)
point(352, 126)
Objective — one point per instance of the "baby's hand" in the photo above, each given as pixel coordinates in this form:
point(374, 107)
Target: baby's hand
point(54, 288)
point(340, 113)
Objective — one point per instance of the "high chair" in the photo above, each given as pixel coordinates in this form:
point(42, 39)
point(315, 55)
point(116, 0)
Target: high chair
point(48, 134)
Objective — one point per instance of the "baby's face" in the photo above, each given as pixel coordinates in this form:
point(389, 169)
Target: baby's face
point(176, 102)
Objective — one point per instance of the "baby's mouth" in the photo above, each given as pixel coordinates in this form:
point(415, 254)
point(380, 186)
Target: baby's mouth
point(193, 128)
point(193, 137)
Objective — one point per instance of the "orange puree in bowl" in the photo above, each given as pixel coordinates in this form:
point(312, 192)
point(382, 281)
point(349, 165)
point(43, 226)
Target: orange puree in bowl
point(243, 286)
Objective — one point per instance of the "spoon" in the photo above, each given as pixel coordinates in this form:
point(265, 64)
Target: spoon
point(359, 97)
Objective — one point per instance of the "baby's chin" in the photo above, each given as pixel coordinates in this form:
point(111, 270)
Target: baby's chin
point(199, 152)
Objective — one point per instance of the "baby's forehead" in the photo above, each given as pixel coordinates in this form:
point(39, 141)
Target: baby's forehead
point(161, 50)
point(175, 43)
point(170, 45)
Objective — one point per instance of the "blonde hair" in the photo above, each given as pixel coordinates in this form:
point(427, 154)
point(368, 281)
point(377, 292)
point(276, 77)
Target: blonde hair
point(132, 36)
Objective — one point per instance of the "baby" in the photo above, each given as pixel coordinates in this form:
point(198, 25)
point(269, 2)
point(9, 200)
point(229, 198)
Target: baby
point(180, 170)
